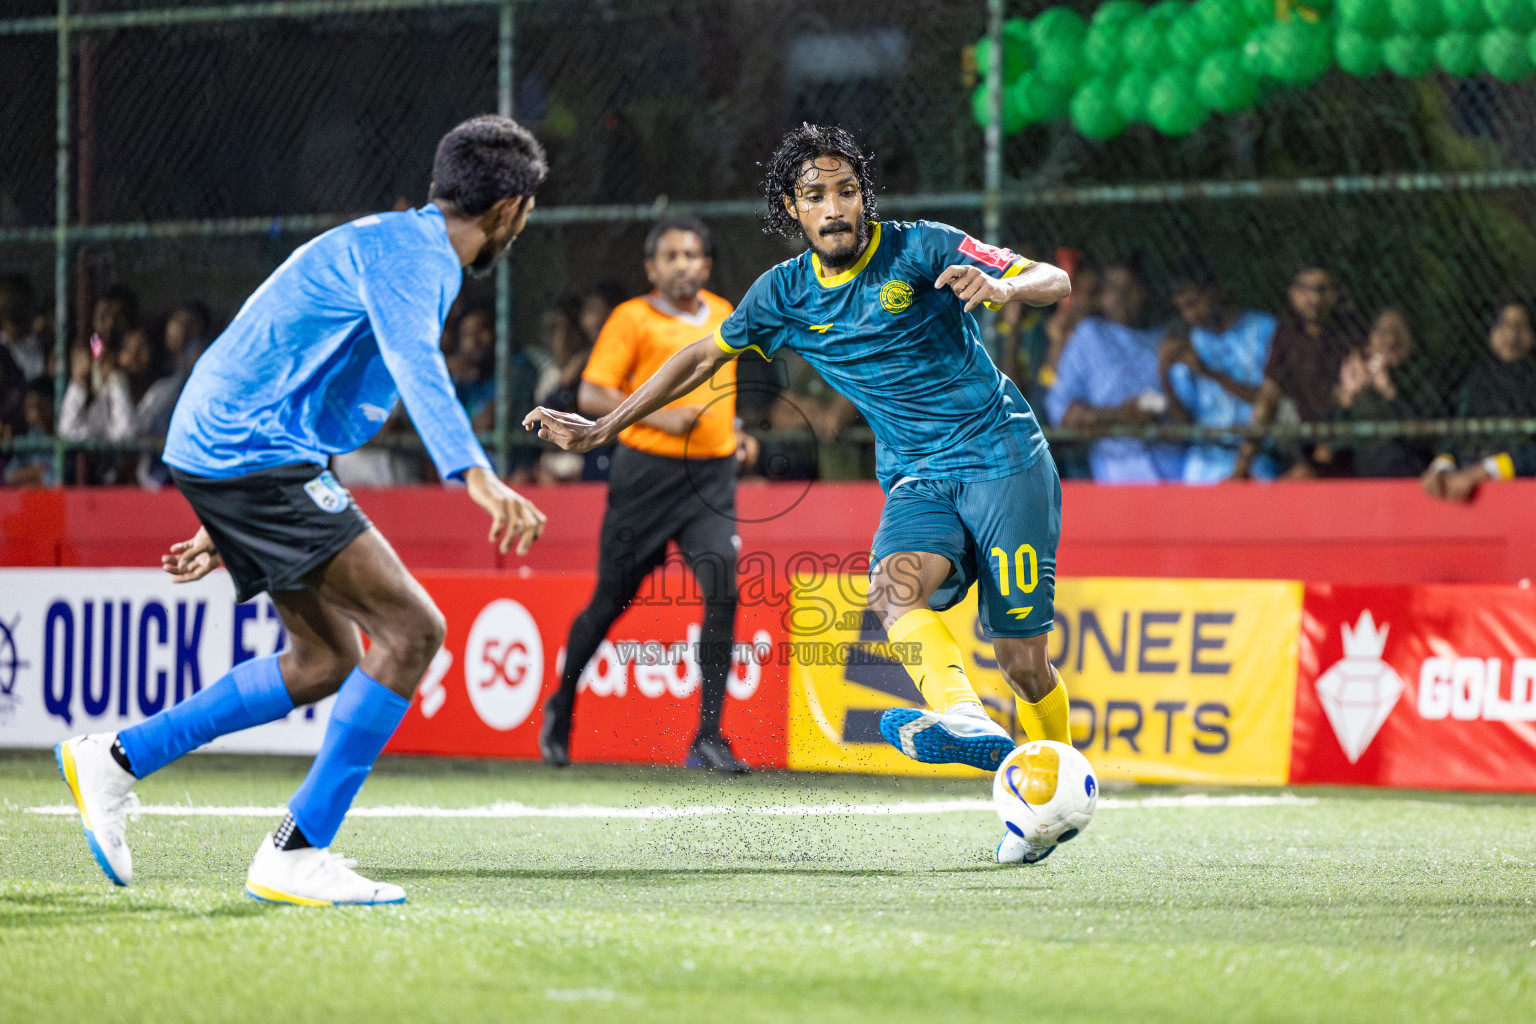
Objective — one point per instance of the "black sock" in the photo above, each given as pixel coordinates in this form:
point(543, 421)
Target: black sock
point(289, 836)
point(121, 757)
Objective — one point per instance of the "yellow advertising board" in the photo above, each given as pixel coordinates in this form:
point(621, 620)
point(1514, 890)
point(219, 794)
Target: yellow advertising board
point(1171, 680)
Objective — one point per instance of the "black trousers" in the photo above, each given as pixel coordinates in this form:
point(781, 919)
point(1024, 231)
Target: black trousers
point(652, 501)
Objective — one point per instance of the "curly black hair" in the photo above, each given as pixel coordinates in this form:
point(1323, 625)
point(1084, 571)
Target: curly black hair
point(782, 172)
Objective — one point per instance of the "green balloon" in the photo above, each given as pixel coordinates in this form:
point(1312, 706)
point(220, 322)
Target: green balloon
point(1505, 55)
point(1368, 17)
point(1255, 51)
point(1515, 15)
point(1063, 65)
point(1018, 51)
point(1058, 26)
point(1117, 12)
point(1038, 99)
point(1131, 95)
point(1358, 53)
point(1457, 53)
point(1260, 11)
point(1408, 55)
point(1224, 84)
point(1094, 113)
point(1422, 16)
point(1186, 39)
point(1466, 15)
point(1146, 43)
point(1168, 11)
point(1298, 51)
point(1172, 106)
point(1104, 49)
point(1225, 22)
point(1014, 120)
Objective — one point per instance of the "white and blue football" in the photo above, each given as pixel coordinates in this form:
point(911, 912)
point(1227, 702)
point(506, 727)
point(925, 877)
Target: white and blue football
point(1045, 792)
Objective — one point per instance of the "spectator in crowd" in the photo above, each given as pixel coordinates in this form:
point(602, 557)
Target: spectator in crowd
point(1030, 343)
point(34, 469)
point(1312, 339)
point(142, 362)
point(1383, 381)
point(1108, 376)
point(16, 334)
point(97, 405)
point(13, 390)
point(1031, 339)
point(155, 379)
point(115, 313)
point(472, 365)
point(186, 338)
point(598, 304)
point(568, 347)
point(1502, 383)
point(1213, 364)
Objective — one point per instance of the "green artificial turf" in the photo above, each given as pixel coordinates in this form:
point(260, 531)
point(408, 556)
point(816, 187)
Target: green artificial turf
point(1361, 906)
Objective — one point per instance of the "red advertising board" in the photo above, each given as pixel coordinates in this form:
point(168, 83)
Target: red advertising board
point(638, 700)
point(1426, 686)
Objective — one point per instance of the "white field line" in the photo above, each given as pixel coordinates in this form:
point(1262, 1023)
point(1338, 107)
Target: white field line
point(516, 810)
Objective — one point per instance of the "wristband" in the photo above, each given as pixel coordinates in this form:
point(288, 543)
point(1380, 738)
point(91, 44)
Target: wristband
point(1499, 467)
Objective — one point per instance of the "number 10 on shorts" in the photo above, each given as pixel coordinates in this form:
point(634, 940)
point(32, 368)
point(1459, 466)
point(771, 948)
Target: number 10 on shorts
point(1023, 555)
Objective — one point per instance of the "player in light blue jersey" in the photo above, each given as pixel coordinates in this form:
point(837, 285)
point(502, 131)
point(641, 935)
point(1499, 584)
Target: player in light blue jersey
point(882, 311)
point(310, 367)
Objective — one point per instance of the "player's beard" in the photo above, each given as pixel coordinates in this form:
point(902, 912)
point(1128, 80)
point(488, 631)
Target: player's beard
point(843, 256)
point(493, 250)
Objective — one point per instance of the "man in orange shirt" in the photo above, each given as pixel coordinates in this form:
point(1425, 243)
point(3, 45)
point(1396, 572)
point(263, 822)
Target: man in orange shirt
point(673, 479)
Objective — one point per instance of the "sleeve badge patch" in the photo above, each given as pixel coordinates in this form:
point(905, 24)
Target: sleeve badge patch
point(991, 255)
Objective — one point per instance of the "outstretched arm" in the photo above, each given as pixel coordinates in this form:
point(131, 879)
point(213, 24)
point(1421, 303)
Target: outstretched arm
point(1039, 284)
point(677, 377)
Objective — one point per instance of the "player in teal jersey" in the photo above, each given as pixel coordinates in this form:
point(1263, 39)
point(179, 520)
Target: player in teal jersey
point(882, 310)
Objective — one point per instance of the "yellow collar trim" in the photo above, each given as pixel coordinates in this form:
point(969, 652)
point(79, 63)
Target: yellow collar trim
point(853, 271)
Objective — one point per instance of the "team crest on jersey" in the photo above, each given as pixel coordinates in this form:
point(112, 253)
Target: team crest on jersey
point(991, 255)
point(895, 295)
point(326, 492)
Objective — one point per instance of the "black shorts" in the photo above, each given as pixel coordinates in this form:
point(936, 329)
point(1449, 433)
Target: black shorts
point(653, 499)
point(274, 525)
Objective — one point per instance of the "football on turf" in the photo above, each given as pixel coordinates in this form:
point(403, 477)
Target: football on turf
point(1045, 792)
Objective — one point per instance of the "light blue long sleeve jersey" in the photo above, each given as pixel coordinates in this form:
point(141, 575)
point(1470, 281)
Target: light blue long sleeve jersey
point(316, 358)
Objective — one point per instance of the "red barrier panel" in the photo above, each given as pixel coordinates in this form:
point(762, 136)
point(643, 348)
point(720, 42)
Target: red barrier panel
point(1425, 687)
point(1340, 531)
point(638, 700)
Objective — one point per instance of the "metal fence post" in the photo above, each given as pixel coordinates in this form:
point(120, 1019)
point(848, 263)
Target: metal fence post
point(504, 268)
point(992, 166)
point(61, 239)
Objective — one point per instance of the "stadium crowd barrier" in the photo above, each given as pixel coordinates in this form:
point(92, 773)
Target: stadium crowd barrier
point(1342, 632)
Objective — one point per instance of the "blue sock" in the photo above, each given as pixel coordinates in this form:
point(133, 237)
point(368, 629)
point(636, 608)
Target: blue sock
point(363, 719)
point(251, 693)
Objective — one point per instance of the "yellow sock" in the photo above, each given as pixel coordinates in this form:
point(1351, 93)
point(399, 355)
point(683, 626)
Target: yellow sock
point(939, 674)
point(1047, 718)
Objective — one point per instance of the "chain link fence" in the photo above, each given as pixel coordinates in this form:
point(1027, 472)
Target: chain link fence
point(202, 143)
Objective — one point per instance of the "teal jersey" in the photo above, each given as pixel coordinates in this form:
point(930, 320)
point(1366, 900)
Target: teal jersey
point(906, 355)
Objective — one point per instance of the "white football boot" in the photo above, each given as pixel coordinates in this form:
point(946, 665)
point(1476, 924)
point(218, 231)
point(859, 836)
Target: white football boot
point(1013, 849)
point(312, 877)
point(104, 793)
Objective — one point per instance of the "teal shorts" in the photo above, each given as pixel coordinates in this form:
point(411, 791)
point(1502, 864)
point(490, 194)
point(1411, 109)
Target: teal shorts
point(999, 533)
